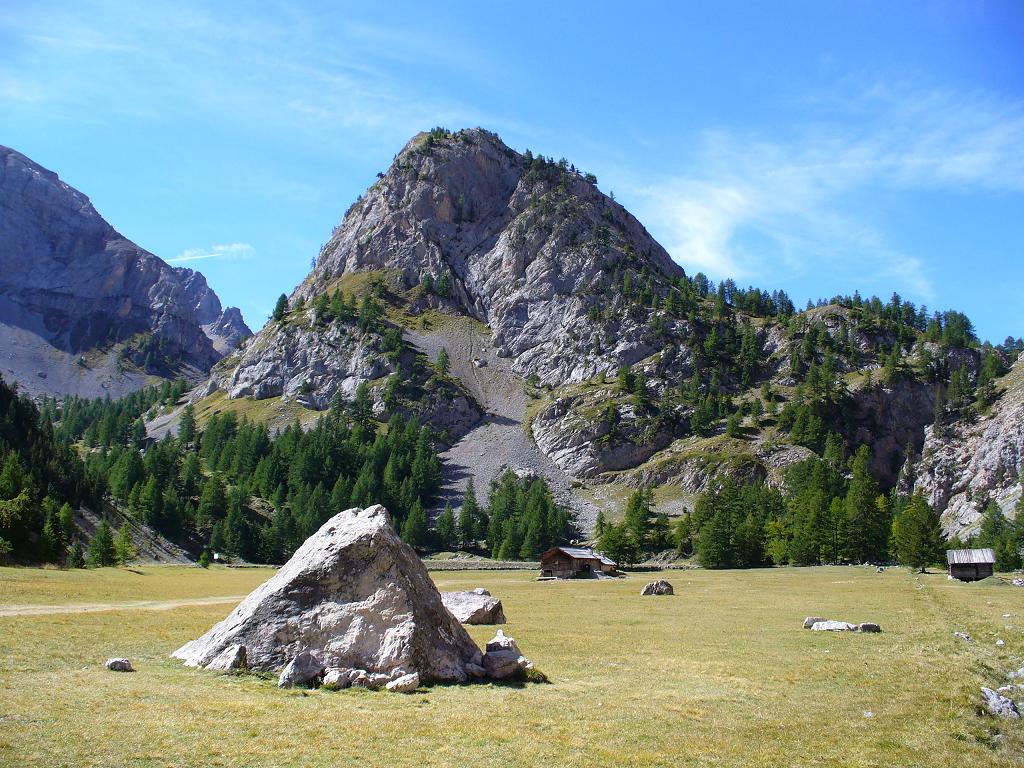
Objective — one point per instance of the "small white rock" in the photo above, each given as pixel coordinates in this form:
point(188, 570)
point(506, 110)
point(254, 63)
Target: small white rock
point(405, 683)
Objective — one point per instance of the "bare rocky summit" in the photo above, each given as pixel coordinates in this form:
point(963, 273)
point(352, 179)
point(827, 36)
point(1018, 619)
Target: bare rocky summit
point(83, 310)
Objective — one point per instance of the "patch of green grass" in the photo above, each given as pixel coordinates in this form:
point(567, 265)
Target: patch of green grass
point(720, 674)
point(272, 410)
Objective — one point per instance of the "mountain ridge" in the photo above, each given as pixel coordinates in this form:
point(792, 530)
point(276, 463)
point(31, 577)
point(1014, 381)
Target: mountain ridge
point(628, 370)
point(83, 310)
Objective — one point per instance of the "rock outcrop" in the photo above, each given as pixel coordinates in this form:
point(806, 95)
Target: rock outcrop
point(999, 705)
point(974, 460)
point(353, 595)
point(82, 307)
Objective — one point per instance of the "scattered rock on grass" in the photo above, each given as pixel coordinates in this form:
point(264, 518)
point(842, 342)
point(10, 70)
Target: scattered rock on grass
point(810, 621)
point(119, 665)
point(868, 626)
point(474, 607)
point(659, 587)
point(404, 684)
point(965, 636)
point(999, 705)
point(503, 658)
point(833, 626)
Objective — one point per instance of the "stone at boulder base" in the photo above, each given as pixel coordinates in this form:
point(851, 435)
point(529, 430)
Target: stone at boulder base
point(999, 705)
point(336, 679)
point(833, 626)
point(473, 607)
point(503, 658)
point(230, 659)
point(354, 595)
point(304, 669)
point(810, 621)
point(404, 684)
point(659, 587)
point(868, 626)
point(119, 665)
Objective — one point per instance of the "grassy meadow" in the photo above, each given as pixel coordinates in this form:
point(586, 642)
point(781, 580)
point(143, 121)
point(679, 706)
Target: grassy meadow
point(721, 674)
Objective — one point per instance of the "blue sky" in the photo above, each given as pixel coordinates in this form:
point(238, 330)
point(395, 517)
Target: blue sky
point(812, 146)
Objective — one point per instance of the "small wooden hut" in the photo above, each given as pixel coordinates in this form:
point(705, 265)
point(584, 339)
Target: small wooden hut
point(970, 564)
point(574, 563)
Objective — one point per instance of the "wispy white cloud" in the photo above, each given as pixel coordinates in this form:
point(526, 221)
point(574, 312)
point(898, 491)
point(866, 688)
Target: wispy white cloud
point(757, 208)
point(270, 69)
point(227, 251)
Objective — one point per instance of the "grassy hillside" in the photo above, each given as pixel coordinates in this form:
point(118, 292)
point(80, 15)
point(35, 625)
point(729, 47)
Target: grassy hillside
point(720, 674)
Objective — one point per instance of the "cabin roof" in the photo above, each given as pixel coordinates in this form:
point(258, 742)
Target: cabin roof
point(580, 553)
point(969, 556)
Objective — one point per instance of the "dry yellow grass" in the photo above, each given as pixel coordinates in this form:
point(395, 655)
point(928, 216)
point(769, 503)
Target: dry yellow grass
point(720, 674)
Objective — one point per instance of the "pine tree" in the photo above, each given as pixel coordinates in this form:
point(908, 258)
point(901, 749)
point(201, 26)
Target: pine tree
point(442, 365)
point(187, 429)
point(124, 550)
point(75, 558)
point(469, 522)
point(101, 548)
point(636, 519)
point(280, 307)
point(917, 534)
point(414, 530)
point(446, 535)
point(213, 502)
point(862, 544)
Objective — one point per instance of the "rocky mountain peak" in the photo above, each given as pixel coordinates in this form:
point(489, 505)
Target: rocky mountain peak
point(525, 244)
point(83, 309)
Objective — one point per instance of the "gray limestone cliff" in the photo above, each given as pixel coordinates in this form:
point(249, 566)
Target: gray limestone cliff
point(84, 310)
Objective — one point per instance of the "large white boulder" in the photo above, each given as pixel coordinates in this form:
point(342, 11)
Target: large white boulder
point(474, 607)
point(353, 595)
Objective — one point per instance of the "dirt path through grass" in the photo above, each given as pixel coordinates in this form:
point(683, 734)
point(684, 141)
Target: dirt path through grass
point(131, 605)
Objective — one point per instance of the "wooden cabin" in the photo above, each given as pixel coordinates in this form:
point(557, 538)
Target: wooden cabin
point(574, 563)
point(970, 564)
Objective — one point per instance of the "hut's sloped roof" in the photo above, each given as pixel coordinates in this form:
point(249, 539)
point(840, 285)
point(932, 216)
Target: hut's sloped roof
point(969, 556)
point(580, 553)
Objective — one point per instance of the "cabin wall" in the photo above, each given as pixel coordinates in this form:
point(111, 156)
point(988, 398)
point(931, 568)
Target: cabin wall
point(970, 571)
